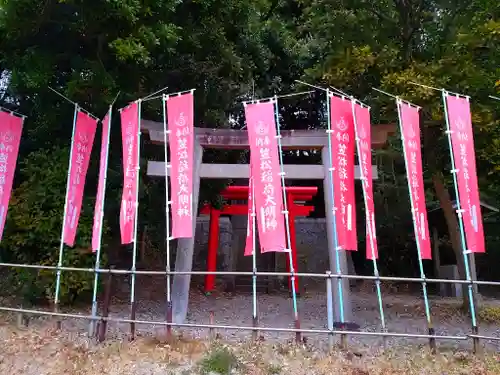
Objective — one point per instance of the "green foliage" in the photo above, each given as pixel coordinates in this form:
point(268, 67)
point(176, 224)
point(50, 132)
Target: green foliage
point(490, 314)
point(33, 230)
point(274, 369)
point(357, 45)
point(220, 360)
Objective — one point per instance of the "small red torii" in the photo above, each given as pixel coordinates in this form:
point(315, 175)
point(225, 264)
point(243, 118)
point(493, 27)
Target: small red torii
point(293, 194)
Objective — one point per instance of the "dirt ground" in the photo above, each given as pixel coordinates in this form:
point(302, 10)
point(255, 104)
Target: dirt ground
point(42, 350)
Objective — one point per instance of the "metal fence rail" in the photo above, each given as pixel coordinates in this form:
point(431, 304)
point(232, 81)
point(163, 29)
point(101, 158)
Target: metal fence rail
point(328, 277)
point(235, 327)
point(250, 273)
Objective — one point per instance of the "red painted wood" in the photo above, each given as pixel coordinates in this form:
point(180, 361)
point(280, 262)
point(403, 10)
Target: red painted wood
point(292, 208)
point(294, 193)
point(213, 245)
point(242, 209)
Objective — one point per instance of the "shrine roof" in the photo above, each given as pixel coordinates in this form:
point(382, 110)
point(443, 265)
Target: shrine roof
point(238, 139)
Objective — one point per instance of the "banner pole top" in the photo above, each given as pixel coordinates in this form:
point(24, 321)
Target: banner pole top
point(154, 93)
point(398, 99)
point(308, 84)
point(13, 113)
point(110, 107)
point(166, 96)
point(128, 105)
point(276, 97)
point(328, 91)
point(444, 91)
point(338, 91)
point(77, 106)
point(114, 100)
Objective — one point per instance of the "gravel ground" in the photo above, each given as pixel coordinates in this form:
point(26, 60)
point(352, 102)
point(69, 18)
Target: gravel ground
point(42, 350)
point(45, 351)
point(403, 314)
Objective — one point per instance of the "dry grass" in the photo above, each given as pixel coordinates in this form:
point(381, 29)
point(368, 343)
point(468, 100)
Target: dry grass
point(44, 351)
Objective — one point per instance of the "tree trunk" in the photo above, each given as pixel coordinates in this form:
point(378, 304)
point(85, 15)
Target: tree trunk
point(452, 223)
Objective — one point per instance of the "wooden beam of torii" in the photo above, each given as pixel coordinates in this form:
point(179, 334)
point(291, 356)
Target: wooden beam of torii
point(238, 139)
point(241, 171)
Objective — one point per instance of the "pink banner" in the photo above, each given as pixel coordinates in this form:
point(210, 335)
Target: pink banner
point(83, 140)
point(363, 133)
point(130, 144)
point(265, 166)
point(97, 228)
point(410, 126)
point(11, 128)
point(459, 118)
point(181, 141)
point(251, 212)
point(342, 142)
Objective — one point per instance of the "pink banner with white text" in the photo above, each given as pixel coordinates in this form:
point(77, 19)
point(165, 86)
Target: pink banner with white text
point(251, 212)
point(261, 126)
point(11, 128)
point(410, 126)
point(459, 118)
point(363, 134)
point(101, 185)
point(83, 140)
point(130, 143)
point(180, 117)
point(342, 143)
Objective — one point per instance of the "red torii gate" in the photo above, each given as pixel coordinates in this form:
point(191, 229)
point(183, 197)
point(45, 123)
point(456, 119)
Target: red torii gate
point(293, 195)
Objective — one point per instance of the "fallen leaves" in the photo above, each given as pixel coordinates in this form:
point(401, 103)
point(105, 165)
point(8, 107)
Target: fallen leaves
point(45, 351)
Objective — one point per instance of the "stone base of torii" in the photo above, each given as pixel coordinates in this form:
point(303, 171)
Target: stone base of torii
point(238, 139)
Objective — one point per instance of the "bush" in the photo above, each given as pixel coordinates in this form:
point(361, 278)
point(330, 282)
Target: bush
point(219, 360)
point(490, 314)
point(33, 231)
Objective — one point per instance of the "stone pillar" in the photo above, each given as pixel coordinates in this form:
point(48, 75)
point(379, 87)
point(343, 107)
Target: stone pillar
point(239, 227)
point(473, 273)
point(351, 270)
point(225, 244)
point(346, 292)
point(185, 247)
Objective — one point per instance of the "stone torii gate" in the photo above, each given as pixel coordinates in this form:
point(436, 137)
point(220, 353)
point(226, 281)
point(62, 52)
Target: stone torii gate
point(238, 139)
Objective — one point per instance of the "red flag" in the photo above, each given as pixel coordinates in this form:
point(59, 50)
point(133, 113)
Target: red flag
point(180, 124)
point(342, 143)
point(83, 140)
point(251, 211)
point(130, 144)
point(459, 119)
point(265, 167)
point(11, 128)
point(363, 133)
point(410, 128)
point(97, 228)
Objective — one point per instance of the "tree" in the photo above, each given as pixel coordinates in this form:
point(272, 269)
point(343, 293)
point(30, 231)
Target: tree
point(89, 50)
point(360, 44)
point(33, 229)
